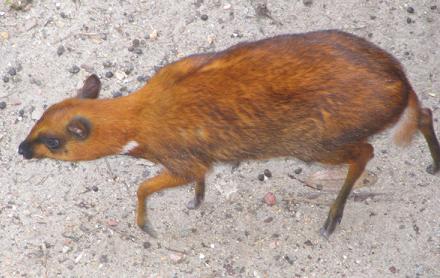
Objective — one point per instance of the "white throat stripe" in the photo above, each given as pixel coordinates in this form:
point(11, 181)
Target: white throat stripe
point(130, 146)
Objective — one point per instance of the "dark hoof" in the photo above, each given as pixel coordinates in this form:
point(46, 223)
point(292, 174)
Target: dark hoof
point(148, 228)
point(324, 233)
point(330, 225)
point(194, 204)
point(431, 169)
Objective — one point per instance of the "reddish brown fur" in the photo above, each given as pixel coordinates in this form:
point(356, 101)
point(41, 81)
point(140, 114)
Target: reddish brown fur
point(316, 96)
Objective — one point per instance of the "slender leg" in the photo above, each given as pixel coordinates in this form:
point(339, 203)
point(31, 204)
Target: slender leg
point(427, 129)
point(162, 181)
point(199, 195)
point(357, 156)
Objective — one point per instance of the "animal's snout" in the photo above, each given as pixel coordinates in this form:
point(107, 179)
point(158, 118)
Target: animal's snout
point(25, 149)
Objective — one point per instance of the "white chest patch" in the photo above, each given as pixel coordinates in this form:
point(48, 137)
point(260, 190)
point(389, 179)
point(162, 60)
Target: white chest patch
point(130, 146)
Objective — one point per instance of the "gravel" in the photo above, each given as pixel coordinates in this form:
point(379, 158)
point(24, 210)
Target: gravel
point(60, 219)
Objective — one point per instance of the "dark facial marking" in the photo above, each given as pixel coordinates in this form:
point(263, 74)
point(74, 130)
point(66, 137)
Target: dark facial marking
point(52, 143)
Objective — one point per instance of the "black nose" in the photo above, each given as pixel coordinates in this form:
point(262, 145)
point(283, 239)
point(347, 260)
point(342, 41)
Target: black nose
point(25, 150)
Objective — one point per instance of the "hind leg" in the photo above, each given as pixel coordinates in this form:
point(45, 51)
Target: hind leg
point(357, 155)
point(199, 195)
point(427, 129)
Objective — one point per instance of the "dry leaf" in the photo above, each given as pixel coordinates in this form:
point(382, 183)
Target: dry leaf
point(333, 179)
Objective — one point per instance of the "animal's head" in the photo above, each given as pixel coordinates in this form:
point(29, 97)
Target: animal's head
point(66, 130)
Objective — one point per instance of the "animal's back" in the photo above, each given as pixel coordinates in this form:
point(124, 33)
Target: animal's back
point(303, 95)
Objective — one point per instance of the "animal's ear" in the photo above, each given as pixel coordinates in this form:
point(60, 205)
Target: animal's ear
point(91, 87)
point(79, 128)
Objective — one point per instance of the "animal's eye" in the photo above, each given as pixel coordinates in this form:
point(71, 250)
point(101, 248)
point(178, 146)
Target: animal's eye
point(52, 143)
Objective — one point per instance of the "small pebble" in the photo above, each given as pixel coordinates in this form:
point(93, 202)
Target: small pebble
point(289, 260)
point(409, 20)
point(261, 177)
point(142, 78)
point(236, 34)
point(410, 10)
point(298, 171)
point(78, 258)
point(120, 75)
point(138, 51)
point(269, 199)
point(87, 68)
point(128, 69)
point(112, 222)
point(153, 35)
point(204, 17)
point(63, 15)
point(135, 43)
point(103, 259)
point(308, 243)
point(268, 220)
point(4, 35)
point(5, 79)
point(95, 188)
point(307, 3)
point(74, 69)
point(107, 64)
point(130, 48)
point(176, 258)
point(60, 50)
point(2, 105)
point(146, 244)
point(109, 74)
point(267, 173)
point(434, 7)
point(12, 71)
point(393, 269)
point(116, 94)
point(416, 229)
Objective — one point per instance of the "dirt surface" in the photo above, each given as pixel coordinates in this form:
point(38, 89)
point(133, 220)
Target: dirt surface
point(77, 219)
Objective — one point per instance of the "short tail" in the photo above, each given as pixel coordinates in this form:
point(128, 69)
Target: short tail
point(408, 123)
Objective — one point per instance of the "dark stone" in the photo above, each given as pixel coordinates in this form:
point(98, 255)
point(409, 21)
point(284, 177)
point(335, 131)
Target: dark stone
point(60, 50)
point(267, 173)
point(146, 244)
point(12, 71)
point(74, 70)
point(307, 3)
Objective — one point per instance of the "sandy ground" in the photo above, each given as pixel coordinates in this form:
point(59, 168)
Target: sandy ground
point(77, 219)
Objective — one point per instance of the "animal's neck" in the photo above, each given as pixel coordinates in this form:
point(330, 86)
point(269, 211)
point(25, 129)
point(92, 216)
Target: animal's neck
point(124, 123)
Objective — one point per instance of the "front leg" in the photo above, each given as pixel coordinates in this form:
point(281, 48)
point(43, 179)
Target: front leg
point(162, 181)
